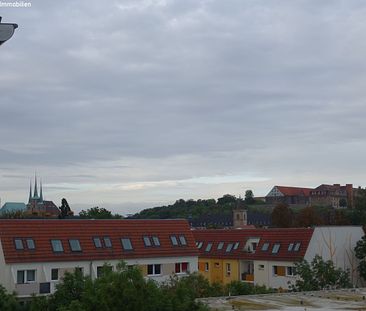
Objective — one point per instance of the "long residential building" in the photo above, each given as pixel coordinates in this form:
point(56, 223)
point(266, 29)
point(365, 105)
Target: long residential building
point(268, 256)
point(35, 254)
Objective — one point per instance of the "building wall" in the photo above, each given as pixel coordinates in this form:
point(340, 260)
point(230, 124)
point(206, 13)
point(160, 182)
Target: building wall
point(218, 269)
point(336, 244)
point(8, 273)
point(264, 273)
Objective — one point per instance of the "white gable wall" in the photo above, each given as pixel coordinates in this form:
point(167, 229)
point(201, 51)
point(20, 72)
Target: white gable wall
point(337, 244)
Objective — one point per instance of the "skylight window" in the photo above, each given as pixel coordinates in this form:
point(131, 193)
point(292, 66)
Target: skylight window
point(30, 244)
point(126, 244)
point(147, 241)
point(290, 247)
point(236, 245)
point(229, 247)
point(174, 240)
point(276, 248)
point(107, 242)
point(220, 245)
point(199, 244)
point(156, 241)
point(57, 246)
point(182, 240)
point(97, 242)
point(208, 247)
point(18, 244)
point(265, 247)
point(297, 246)
point(75, 245)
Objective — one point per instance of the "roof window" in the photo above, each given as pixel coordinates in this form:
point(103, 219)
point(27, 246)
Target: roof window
point(208, 247)
point(97, 242)
point(107, 242)
point(297, 247)
point(276, 248)
point(75, 245)
point(265, 247)
point(174, 240)
point(290, 247)
point(57, 246)
point(126, 244)
point(220, 245)
point(229, 247)
point(30, 244)
point(156, 241)
point(147, 241)
point(182, 240)
point(199, 244)
point(236, 245)
point(18, 244)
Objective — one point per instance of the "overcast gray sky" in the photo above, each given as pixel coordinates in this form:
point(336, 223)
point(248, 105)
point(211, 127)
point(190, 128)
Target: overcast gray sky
point(128, 104)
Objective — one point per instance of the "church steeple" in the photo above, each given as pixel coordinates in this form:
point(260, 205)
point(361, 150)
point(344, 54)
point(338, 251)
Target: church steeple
point(30, 191)
point(40, 194)
point(35, 195)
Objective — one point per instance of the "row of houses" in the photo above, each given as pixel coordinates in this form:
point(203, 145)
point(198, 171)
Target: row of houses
point(35, 254)
point(336, 195)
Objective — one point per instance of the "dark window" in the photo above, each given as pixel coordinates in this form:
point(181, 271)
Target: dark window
point(147, 241)
point(31, 276)
point(154, 269)
point(236, 245)
point(181, 267)
point(97, 242)
point(199, 244)
point(156, 241)
point(101, 270)
point(174, 240)
point(44, 288)
point(79, 270)
point(20, 276)
point(26, 276)
point(30, 244)
point(182, 240)
point(75, 245)
point(297, 247)
point(126, 244)
point(57, 246)
point(54, 274)
point(19, 244)
point(290, 247)
point(107, 242)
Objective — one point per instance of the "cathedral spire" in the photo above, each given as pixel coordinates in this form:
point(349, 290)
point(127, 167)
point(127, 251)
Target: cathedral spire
point(40, 191)
point(30, 191)
point(35, 187)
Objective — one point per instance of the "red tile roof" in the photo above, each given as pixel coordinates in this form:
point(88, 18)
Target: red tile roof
point(272, 236)
point(42, 231)
point(293, 191)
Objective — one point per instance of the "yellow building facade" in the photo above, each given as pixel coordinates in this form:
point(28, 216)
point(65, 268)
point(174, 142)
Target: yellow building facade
point(218, 270)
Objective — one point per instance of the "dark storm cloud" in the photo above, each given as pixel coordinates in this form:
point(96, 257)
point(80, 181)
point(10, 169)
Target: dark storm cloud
point(277, 87)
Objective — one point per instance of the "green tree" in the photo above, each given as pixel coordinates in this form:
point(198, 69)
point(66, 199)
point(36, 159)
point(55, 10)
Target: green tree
point(308, 217)
point(360, 252)
point(282, 216)
point(8, 302)
point(319, 274)
point(98, 213)
point(249, 197)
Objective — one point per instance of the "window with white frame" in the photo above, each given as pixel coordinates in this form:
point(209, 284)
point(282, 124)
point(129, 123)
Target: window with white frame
point(181, 267)
point(26, 276)
point(54, 274)
point(154, 269)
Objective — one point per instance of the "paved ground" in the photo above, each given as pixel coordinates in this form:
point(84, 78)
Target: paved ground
point(336, 300)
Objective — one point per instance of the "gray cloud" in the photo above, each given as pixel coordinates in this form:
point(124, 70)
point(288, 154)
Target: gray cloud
point(150, 91)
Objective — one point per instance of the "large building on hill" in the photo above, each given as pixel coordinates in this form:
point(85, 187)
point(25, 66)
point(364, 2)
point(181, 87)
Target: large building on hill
point(335, 195)
point(289, 195)
point(35, 254)
point(268, 256)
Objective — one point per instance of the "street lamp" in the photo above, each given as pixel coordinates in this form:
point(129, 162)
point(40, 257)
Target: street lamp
point(6, 31)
